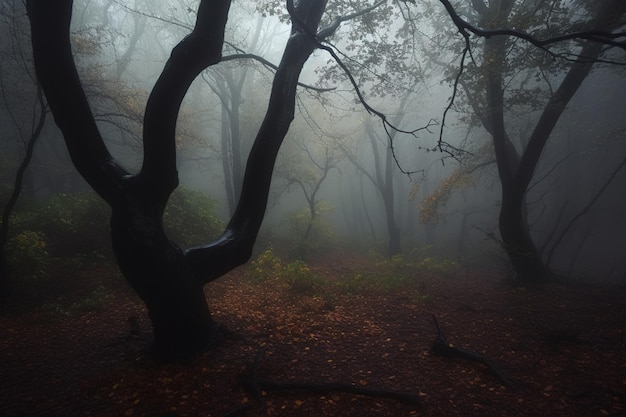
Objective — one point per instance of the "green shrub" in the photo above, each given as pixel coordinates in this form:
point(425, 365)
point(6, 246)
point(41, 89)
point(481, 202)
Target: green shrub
point(28, 256)
point(437, 265)
point(267, 265)
point(397, 272)
point(76, 223)
point(423, 260)
point(301, 279)
point(310, 235)
point(296, 274)
point(190, 218)
point(373, 280)
point(56, 308)
point(97, 300)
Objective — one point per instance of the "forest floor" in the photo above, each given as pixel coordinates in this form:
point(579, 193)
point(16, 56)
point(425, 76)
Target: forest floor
point(562, 348)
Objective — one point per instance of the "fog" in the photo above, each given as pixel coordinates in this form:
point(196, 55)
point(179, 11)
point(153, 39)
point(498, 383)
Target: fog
point(410, 144)
point(574, 215)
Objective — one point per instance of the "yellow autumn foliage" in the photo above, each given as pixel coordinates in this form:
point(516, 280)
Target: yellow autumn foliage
point(431, 205)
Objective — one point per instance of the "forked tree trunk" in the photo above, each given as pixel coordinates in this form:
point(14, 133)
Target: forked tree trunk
point(169, 280)
point(158, 271)
point(516, 170)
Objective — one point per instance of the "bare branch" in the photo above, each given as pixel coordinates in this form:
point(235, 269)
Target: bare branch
point(268, 64)
point(200, 49)
point(326, 46)
point(56, 70)
point(597, 36)
point(334, 25)
point(586, 209)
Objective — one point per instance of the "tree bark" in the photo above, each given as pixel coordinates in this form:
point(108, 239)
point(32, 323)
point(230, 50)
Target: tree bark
point(157, 270)
point(15, 193)
point(516, 171)
point(383, 180)
point(169, 280)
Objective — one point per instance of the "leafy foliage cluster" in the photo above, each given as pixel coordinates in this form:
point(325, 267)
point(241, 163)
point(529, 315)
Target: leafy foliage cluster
point(27, 253)
point(297, 274)
point(266, 266)
point(70, 224)
point(301, 279)
point(431, 206)
point(366, 42)
point(76, 226)
point(397, 272)
point(191, 218)
point(311, 234)
point(383, 274)
point(97, 300)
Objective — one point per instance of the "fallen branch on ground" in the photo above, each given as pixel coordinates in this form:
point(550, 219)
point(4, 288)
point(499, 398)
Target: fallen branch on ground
point(442, 347)
point(253, 384)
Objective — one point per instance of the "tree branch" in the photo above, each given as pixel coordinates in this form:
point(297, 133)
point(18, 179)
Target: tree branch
point(598, 36)
point(268, 64)
point(320, 37)
point(234, 247)
point(334, 25)
point(200, 49)
point(585, 209)
point(56, 70)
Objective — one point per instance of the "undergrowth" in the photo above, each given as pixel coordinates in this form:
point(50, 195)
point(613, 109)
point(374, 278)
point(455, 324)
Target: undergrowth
point(380, 274)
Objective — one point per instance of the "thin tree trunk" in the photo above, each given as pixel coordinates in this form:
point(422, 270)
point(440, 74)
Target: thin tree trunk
point(516, 171)
point(15, 194)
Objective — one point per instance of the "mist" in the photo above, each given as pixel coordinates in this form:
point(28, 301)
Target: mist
point(450, 186)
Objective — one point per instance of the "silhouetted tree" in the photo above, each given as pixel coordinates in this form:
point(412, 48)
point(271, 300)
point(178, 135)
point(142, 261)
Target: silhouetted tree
point(170, 280)
point(509, 73)
point(307, 167)
point(15, 86)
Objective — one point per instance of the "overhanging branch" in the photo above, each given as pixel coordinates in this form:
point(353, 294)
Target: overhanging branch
point(59, 78)
point(273, 67)
point(597, 36)
point(200, 49)
point(324, 45)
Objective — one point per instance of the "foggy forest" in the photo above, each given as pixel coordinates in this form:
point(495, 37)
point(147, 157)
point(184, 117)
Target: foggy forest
point(217, 208)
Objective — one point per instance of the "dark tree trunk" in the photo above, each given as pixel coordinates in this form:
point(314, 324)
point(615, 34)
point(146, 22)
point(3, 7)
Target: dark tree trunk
point(383, 180)
point(156, 268)
point(169, 280)
point(17, 189)
point(393, 231)
point(516, 240)
point(394, 246)
point(516, 170)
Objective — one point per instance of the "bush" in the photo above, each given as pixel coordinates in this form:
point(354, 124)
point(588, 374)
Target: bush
point(397, 272)
point(320, 233)
point(423, 260)
point(301, 279)
point(190, 218)
point(267, 265)
point(28, 257)
point(296, 274)
point(97, 300)
point(76, 223)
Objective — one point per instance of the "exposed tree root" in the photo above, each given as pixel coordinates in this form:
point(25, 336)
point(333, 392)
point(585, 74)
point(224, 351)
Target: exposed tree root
point(442, 347)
